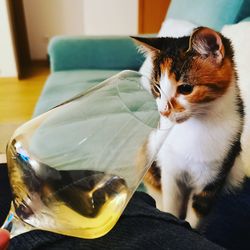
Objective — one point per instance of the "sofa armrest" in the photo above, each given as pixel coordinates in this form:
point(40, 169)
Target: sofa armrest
point(67, 53)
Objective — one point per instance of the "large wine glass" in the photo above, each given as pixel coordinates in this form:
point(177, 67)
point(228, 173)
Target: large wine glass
point(74, 168)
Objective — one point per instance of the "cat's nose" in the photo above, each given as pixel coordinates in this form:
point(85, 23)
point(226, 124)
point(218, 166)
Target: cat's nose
point(166, 111)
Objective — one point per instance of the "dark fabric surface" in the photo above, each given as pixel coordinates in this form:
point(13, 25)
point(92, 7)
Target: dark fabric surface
point(140, 227)
point(229, 223)
point(5, 193)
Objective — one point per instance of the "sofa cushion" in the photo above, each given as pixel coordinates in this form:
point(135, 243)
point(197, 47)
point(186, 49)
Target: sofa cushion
point(87, 52)
point(247, 19)
point(239, 34)
point(244, 11)
point(209, 13)
point(63, 85)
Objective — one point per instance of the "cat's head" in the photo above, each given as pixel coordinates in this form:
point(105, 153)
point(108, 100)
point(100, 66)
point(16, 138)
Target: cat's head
point(189, 73)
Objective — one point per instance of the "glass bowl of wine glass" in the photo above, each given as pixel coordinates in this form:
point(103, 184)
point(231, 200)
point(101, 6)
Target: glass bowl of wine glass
point(74, 168)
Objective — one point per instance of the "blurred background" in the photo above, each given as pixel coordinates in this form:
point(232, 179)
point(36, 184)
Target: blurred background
point(26, 27)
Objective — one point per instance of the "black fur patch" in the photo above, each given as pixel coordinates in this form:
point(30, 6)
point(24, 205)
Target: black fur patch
point(156, 171)
point(172, 48)
point(203, 202)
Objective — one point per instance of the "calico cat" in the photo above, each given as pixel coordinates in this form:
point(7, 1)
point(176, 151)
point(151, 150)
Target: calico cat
point(194, 82)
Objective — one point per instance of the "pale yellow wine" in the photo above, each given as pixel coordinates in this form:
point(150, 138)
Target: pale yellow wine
point(80, 203)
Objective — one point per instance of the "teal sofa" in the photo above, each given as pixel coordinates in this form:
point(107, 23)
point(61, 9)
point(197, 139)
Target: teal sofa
point(78, 63)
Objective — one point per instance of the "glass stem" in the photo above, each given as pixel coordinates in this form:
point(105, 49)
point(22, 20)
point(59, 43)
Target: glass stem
point(15, 225)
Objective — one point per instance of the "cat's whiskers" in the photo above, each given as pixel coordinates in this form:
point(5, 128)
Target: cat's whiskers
point(161, 91)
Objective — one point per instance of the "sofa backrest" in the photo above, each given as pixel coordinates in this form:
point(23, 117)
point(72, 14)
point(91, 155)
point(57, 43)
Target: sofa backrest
point(214, 14)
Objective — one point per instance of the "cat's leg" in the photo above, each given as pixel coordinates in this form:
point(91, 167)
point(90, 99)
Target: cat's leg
point(199, 205)
point(192, 216)
point(201, 202)
point(152, 181)
point(172, 197)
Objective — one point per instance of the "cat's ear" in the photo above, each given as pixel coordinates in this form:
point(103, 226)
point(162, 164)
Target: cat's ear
point(148, 45)
point(207, 42)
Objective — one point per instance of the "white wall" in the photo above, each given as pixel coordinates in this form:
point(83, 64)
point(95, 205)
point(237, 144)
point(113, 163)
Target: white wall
point(47, 18)
point(8, 67)
point(110, 17)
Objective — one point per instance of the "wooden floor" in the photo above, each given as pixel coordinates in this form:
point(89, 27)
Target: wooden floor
point(18, 97)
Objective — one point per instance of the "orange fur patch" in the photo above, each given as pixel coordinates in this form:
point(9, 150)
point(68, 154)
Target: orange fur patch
point(174, 106)
point(202, 202)
point(166, 65)
point(153, 177)
point(166, 112)
point(210, 80)
point(165, 68)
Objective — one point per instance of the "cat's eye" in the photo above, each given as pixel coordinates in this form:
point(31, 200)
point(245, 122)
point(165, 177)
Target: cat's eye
point(185, 89)
point(156, 89)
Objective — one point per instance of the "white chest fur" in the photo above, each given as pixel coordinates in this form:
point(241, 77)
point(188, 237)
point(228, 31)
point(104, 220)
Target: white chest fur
point(198, 146)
